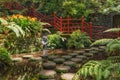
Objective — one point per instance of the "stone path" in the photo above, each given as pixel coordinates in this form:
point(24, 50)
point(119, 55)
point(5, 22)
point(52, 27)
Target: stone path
point(62, 67)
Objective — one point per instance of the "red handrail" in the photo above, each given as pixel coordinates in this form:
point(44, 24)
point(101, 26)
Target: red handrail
point(66, 25)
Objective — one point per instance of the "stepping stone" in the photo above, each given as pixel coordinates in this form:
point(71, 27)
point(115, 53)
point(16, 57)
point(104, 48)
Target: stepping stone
point(52, 57)
point(67, 76)
point(66, 57)
point(87, 50)
point(36, 59)
point(27, 56)
point(70, 63)
point(88, 54)
point(49, 65)
point(73, 54)
point(77, 60)
point(16, 59)
point(94, 48)
point(47, 74)
point(59, 60)
point(81, 52)
point(94, 52)
point(81, 57)
point(62, 69)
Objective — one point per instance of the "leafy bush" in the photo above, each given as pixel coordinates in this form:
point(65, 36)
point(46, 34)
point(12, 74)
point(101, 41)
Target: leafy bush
point(98, 70)
point(4, 56)
point(78, 40)
point(54, 41)
point(113, 47)
point(28, 24)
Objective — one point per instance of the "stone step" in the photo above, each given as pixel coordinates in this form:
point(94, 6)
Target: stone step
point(47, 74)
point(49, 65)
point(73, 54)
point(62, 69)
point(17, 59)
point(27, 56)
point(70, 63)
point(52, 57)
point(67, 57)
point(81, 57)
point(77, 60)
point(67, 76)
point(36, 59)
point(59, 60)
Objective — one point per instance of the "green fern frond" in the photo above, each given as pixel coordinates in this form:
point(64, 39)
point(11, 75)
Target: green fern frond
point(101, 42)
point(113, 30)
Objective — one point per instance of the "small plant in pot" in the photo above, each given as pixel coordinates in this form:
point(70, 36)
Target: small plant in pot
point(78, 40)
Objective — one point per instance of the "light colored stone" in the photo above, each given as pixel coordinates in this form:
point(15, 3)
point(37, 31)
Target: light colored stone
point(62, 69)
point(27, 56)
point(16, 59)
point(47, 74)
point(67, 76)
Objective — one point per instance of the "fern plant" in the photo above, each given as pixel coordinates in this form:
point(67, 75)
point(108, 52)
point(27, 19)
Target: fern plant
point(113, 47)
point(98, 70)
point(78, 40)
point(112, 30)
point(54, 41)
point(101, 42)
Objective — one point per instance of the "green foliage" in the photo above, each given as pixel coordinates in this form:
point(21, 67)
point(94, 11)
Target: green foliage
point(11, 26)
point(30, 25)
point(54, 41)
point(4, 56)
point(101, 42)
point(113, 30)
point(113, 47)
point(98, 70)
point(78, 40)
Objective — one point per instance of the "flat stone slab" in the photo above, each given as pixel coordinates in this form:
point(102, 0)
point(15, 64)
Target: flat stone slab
point(59, 60)
point(27, 56)
point(73, 54)
point(36, 59)
point(47, 74)
point(52, 57)
point(77, 60)
point(62, 69)
point(88, 54)
point(67, 76)
point(70, 63)
point(49, 65)
point(87, 50)
point(66, 57)
point(17, 59)
point(81, 57)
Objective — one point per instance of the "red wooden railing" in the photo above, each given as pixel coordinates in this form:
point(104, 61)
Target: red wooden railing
point(66, 25)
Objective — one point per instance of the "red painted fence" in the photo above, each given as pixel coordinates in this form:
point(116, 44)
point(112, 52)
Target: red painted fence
point(65, 25)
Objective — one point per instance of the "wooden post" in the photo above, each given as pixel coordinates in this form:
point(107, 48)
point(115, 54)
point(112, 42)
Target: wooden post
point(91, 29)
point(61, 29)
point(82, 23)
point(68, 23)
point(54, 16)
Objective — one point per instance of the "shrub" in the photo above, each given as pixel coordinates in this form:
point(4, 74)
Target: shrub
point(78, 40)
point(4, 56)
